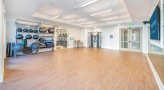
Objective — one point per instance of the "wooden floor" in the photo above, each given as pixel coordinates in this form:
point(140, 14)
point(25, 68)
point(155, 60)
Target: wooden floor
point(79, 69)
point(157, 61)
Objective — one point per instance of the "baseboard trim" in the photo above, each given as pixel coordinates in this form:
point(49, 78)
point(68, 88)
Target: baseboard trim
point(157, 78)
point(110, 48)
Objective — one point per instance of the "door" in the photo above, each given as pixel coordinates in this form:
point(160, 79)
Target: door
point(136, 39)
point(124, 39)
point(131, 39)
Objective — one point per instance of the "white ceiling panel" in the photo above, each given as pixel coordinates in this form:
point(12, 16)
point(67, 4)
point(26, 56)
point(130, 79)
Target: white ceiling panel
point(46, 9)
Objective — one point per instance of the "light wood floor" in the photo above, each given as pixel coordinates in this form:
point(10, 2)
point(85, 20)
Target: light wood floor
point(79, 69)
point(157, 61)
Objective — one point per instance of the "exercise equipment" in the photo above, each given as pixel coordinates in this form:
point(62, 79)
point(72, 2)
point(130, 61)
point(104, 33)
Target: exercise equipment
point(9, 50)
point(62, 38)
point(19, 36)
point(24, 42)
point(35, 46)
point(31, 31)
point(49, 45)
point(94, 39)
point(35, 37)
point(41, 40)
point(19, 29)
point(25, 30)
point(42, 30)
point(28, 36)
point(18, 48)
point(27, 50)
point(51, 30)
point(35, 31)
point(49, 41)
point(43, 45)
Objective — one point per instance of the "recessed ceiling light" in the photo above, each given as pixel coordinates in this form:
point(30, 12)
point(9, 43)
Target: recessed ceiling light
point(85, 4)
point(102, 12)
point(55, 17)
point(81, 20)
point(86, 23)
point(71, 20)
point(115, 22)
point(110, 18)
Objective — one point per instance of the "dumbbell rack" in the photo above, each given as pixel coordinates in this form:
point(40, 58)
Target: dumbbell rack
point(47, 36)
point(62, 37)
point(35, 26)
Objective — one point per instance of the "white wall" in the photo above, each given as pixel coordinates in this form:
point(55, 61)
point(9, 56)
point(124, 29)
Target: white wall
point(113, 43)
point(107, 42)
point(11, 28)
point(84, 37)
point(76, 33)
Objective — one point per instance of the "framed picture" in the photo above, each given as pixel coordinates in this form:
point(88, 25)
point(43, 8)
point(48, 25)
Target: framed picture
point(71, 38)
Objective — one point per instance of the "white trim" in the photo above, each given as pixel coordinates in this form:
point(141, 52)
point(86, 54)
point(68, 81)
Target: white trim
point(129, 38)
point(1, 78)
point(157, 78)
point(110, 48)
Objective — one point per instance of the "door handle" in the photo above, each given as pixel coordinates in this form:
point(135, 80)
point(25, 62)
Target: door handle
point(129, 41)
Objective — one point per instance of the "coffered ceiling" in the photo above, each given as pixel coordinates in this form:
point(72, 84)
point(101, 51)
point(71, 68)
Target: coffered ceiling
point(82, 13)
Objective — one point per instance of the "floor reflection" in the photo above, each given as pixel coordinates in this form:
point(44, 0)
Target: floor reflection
point(158, 64)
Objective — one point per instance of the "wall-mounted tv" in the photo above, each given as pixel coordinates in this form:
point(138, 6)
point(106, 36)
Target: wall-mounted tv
point(155, 24)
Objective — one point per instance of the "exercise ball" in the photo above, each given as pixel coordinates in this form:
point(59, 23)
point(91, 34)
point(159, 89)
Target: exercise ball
point(19, 36)
point(51, 30)
point(42, 30)
point(27, 50)
point(25, 30)
point(19, 29)
point(41, 40)
point(28, 36)
point(30, 30)
point(18, 48)
point(35, 37)
point(35, 46)
point(35, 31)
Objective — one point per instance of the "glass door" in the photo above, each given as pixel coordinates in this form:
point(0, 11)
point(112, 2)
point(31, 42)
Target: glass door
point(135, 39)
point(124, 39)
point(131, 39)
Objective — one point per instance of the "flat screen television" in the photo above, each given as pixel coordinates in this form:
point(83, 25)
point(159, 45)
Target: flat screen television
point(155, 24)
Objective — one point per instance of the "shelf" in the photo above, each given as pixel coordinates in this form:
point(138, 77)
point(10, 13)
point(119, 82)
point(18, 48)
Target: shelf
point(28, 32)
point(46, 36)
point(24, 24)
point(47, 33)
point(47, 48)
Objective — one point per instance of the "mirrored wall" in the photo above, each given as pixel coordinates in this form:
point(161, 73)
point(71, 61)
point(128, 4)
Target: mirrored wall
point(156, 39)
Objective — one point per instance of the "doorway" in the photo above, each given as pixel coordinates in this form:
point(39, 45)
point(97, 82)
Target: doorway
point(131, 39)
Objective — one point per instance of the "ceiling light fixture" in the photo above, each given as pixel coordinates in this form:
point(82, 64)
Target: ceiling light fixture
point(103, 12)
point(115, 22)
point(110, 18)
point(86, 23)
point(70, 20)
point(55, 17)
point(85, 4)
